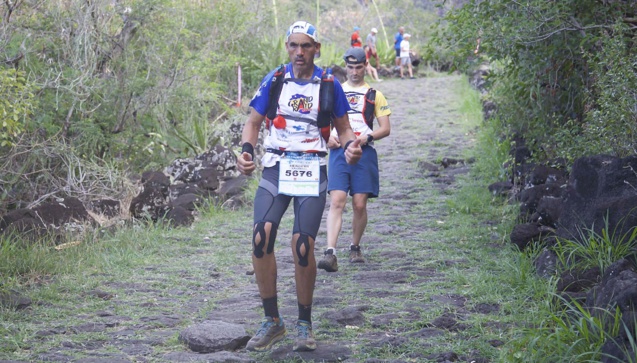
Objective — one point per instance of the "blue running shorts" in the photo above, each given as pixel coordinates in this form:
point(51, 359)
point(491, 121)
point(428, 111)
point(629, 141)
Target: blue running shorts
point(361, 178)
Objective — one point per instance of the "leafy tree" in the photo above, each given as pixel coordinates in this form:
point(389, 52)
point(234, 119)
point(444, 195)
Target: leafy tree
point(113, 75)
point(612, 97)
point(551, 61)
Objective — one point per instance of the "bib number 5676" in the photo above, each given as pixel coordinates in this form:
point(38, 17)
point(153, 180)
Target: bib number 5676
point(300, 173)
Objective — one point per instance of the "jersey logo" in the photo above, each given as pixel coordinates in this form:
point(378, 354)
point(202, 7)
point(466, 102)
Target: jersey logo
point(353, 99)
point(301, 103)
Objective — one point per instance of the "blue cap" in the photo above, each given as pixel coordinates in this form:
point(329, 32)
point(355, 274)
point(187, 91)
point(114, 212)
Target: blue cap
point(357, 28)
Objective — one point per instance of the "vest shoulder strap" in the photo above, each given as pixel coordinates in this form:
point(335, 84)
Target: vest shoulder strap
point(275, 92)
point(326, 103)
point(326, 99)
point(369, 107)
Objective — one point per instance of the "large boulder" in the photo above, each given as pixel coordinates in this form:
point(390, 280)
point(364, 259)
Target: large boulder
point(214, 336)
point(601, 193)
point(56, 216)
point(150, 202)
point(175, 193)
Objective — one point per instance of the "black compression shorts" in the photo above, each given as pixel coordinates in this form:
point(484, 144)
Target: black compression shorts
point(269, 205)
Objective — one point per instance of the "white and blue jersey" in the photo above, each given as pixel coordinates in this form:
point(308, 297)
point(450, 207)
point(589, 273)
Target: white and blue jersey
point(299, 105)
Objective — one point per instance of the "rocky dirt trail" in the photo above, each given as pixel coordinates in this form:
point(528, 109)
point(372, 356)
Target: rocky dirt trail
point(403, 305)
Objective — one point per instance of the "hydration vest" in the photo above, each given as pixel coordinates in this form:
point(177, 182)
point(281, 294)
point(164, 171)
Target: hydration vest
point(326, 100)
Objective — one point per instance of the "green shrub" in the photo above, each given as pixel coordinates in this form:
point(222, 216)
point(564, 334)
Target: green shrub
point(570, 334)
point(17, 104)
point(610, 125)
point(596, 250)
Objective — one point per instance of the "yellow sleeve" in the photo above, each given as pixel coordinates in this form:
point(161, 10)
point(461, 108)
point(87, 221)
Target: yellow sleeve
point(382, 108)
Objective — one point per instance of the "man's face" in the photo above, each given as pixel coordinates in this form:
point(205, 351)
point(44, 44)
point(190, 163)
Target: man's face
point(301, 49)
point(355, 72)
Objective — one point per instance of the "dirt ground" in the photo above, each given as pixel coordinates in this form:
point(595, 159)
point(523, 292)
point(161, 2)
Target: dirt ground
point(399, 306)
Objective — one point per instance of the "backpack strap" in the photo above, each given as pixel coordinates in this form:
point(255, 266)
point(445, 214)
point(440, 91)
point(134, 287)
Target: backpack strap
point(368, 107)
point(275, 93)
point(326, 103)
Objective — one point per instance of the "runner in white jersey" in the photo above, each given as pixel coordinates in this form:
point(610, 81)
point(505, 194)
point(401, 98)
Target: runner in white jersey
point(360, 180)
point(294, 170)
point(298, 106)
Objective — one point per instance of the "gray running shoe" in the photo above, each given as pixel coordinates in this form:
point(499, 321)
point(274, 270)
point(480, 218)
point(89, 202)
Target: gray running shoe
point(270, 332)
point(304, 341)
point(328, 262)
point(355, 254)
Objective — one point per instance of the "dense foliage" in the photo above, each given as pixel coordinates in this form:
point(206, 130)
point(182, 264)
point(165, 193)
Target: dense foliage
point(121, 83)
point(134, 84)
point(564, 72)
point(140, 70)
point(16, 105)
point(564, 77)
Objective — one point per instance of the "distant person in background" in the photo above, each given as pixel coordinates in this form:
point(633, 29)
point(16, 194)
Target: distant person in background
point(371, 47)
point(405, 56)
point(356, 40)
point(368, 67)
point(397, 39)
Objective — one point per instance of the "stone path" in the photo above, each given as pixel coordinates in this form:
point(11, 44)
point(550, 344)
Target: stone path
point(403, 305)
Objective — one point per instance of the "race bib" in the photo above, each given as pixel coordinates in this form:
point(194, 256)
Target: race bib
point(299, 174)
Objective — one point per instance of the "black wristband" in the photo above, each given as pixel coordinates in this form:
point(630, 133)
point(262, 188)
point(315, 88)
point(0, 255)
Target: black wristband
point(347, 144)
point(248, 148)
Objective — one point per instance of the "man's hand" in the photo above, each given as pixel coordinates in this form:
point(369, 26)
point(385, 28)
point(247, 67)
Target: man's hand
point(245, 164)
point(333, 142)
point(354, 152)
point(363, 139)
